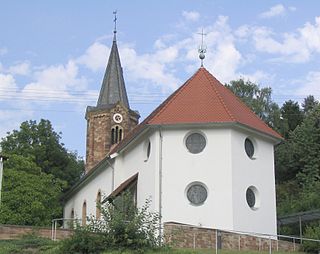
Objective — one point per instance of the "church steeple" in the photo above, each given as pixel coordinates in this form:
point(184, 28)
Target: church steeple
point(113, 89)
point(112, 119)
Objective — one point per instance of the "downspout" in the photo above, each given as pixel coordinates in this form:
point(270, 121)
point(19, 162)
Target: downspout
point(160, 185)
point(112, 172)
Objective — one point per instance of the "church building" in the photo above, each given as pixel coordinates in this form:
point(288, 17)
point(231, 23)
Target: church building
point(202, 156)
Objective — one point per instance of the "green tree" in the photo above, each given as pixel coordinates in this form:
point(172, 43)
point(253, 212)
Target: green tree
point(309, 103)
point(298, 166)
point(292, 115)
point(41, 143)
point(29, 196)
point(259, 100)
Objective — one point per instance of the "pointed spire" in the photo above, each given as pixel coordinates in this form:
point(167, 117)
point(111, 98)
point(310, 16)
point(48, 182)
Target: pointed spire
point(113, 87)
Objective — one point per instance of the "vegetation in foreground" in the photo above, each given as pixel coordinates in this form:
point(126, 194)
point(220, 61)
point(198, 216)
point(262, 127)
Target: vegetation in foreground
point(31, 244)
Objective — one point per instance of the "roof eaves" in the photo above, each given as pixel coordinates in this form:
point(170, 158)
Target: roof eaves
point(103, 164)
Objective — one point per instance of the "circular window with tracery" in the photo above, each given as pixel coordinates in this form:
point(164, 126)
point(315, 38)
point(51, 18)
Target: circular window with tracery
point(252, 197)
point(197, 193)
point(195, 143)
point(117, 118)
point(249, 148)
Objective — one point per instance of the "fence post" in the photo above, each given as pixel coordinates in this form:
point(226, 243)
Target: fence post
point(52, 229)
point(270, 245)
point(55, 230)
point(194, 240)
point(216, 241)
point(239, 242)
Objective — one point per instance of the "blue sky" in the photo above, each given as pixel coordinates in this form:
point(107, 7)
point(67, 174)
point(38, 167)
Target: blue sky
point(53, 53)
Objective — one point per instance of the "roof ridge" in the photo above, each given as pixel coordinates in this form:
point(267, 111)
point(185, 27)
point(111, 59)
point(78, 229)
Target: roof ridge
point(208, 75)
point(171, 98)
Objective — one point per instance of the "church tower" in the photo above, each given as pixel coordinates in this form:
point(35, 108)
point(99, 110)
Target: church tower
point(111, 119)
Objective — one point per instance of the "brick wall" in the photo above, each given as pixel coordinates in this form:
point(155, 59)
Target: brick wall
point(187, 236)
point(13, 232)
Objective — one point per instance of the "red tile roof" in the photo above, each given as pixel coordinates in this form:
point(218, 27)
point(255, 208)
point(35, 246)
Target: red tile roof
point(202, 99)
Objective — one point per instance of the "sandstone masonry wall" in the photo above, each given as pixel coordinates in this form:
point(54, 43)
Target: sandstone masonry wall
point(187, 236)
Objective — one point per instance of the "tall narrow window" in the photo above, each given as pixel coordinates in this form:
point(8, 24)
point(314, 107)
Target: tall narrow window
point(84, 213)
point(116, 134)
point(98, 203)
point(113, 141)
point(120, 134)
point(72, 219)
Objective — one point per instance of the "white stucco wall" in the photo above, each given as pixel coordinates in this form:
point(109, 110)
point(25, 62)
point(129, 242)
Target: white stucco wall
point(126, 164)
point(89, 193)
point(222, 166)
point(212, 167)
point(133, 160)
point(257, 172)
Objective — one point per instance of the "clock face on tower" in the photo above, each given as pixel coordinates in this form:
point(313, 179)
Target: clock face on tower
point(197, 194)
point(117, 118)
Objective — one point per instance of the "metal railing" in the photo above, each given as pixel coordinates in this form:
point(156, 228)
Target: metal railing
point(72, 223)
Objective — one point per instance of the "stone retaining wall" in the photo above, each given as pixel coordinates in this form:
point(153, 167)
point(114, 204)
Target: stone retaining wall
point(187, 236)
point(14, 232)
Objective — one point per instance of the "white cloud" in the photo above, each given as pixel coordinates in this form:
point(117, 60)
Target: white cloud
point(297, 47)
point(95, 57)
point(7, 84)
point(277, 10)
point(191, 15)
point(55, 83)
point(310, 85)
point(20, 68)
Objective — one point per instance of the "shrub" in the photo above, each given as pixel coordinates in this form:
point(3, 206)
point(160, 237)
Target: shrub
point(312, 232)
point(123, 226)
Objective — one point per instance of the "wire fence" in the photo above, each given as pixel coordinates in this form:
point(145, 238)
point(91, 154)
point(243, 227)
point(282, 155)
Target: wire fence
point(273, 242)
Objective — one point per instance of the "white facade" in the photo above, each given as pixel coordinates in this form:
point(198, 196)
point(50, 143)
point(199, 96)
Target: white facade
point(223, 167)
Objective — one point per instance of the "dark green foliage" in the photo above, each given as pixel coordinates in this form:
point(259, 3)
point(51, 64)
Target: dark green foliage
point(84, 241)
point(292, 116)
point(29, 197)
point(41, 143)
point(123, 226)
point(37, 173)
point(312, 232)
point(309, 104)
point(259, 100)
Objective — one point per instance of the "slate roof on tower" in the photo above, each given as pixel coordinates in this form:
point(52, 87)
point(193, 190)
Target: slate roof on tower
point(201, 100)
point(113, 88)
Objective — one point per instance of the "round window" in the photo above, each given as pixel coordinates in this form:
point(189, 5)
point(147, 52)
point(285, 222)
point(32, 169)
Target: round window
point(195, 143)
point(197, 194)
point(252, 197)
point(248, 146)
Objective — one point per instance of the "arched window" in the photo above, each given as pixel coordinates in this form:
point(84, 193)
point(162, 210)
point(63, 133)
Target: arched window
point(84, 213)
point(98, 203)
point(116, 134)
point(71, 222)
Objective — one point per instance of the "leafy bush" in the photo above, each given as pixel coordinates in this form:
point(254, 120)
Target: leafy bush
point(312, 232)
point(123, 226)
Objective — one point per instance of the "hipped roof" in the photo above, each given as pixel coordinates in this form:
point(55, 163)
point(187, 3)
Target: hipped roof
point(202, 100)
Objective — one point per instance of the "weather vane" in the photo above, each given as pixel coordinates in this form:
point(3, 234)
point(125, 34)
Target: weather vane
point(115, 23)
point(202, 49)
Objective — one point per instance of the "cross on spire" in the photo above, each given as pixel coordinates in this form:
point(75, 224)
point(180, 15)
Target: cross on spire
point(202, 49)
point(115, 25)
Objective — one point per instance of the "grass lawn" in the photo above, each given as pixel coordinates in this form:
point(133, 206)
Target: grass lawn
point(30, 244)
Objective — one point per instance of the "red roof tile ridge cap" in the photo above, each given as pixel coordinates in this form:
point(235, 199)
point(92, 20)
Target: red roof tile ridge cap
point(209, 76)
point(174, 95)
